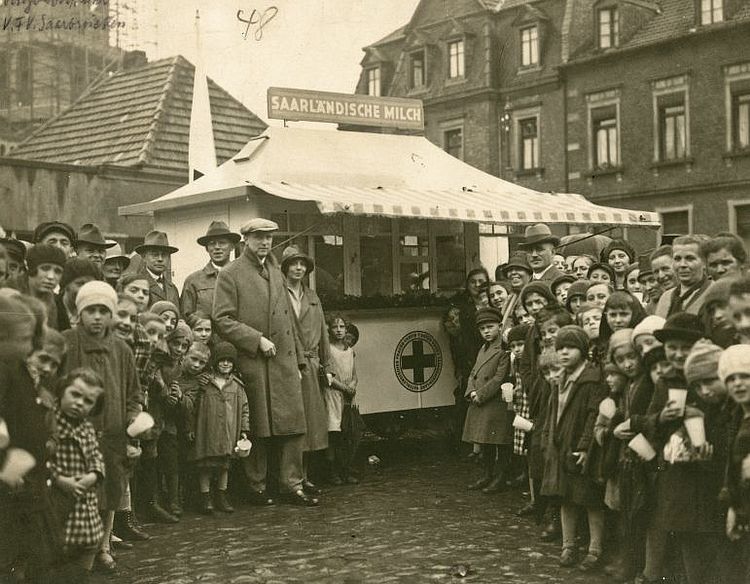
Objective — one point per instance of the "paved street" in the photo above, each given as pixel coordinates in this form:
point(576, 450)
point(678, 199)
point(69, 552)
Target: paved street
point(410, 520)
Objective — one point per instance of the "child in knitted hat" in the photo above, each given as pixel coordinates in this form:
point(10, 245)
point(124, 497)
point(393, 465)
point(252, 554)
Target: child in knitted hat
point(168, 312)
point(91, 344)
point(693, 460)
point(643, 334)
point(568, 433)
point(734, 371)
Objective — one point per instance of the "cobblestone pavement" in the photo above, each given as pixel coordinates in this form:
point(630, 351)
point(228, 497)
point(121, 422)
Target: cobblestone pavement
point(410, 520)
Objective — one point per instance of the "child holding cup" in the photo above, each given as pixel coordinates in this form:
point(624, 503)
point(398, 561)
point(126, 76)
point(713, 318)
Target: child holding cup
point(489, 417)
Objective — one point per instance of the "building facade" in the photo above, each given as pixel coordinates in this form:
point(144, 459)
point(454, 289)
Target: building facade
point(634, 103)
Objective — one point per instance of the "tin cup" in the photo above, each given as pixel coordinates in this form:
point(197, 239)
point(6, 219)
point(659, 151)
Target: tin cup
point(679, 396)
point(142, 423)
point(642, 447)
point(522, 424)
point(607, 408)
point(696, 430)
point(507, 389)
point(242, 449)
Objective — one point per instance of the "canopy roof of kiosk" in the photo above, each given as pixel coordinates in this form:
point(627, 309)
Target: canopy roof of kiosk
point(381, 175)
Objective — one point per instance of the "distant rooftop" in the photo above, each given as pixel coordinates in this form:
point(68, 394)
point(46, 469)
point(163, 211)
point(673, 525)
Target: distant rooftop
point(140, 117)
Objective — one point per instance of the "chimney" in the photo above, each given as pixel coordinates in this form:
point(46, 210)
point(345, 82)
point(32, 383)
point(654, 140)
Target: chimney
point(134, 59)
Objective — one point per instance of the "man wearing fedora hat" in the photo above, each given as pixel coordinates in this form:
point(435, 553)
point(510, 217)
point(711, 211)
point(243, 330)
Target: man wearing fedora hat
point(198, 290)
point(155, 251)
point(539, 244)
point(91, 245)
point(115, 264)
point(518, 272)
point(252, 310)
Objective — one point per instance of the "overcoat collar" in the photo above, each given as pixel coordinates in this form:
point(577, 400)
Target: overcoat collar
point(488, 351)
point(90, 344)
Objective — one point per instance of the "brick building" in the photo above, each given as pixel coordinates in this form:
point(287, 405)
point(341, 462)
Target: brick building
point(639, 103)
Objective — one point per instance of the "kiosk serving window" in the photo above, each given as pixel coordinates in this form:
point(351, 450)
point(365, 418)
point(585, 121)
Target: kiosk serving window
point(376, 256)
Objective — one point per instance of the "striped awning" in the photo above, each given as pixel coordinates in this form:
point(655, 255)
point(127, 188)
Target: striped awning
point(384, 175)
point(459, 204)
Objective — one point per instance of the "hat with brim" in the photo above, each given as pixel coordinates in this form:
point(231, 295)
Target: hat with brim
point(259, 224)
point(14, 248)
point(536, 234)
point(91, 234)
point(682, 325)
point(156, 240)
point(290, 254)
point(51, 227)
point(518, 260)
point(218, 230)
point(115, 253)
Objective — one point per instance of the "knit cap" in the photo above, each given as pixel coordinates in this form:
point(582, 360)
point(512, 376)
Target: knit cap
point(621, 338)
point(734, 359)
point(181, 331)
point(163, 306)
point(223, 350)
point(578, 288)
point(41, 253)
point(518, 333)
point(540, 287)
point(702, 362)
point(572, 336)
point(648, 326)
point(75, 268)
point(617, 244)
point(96, 293)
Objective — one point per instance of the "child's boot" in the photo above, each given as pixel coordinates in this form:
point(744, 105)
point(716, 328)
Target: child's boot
point(222, 502)
point(207, 506)
point(488, 468)
point(158, 514)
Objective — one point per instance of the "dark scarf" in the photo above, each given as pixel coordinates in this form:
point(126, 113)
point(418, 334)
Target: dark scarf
point(678, 300)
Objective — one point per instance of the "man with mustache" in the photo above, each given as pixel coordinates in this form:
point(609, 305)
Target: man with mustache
point(539, 245)
point(692, 283)
point(155, 252)
point(198, 290)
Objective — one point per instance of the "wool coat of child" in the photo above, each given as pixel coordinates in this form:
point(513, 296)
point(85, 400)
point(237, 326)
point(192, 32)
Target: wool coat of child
point(313, 334)
point(572, 433)
point(489, 421)
point(220, 414)
point(113, 361)
point(251, 302)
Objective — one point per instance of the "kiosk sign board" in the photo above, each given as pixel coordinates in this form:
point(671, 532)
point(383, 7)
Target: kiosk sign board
point(341, 108)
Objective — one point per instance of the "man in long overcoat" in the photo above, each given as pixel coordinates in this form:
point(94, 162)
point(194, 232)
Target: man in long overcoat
point(252, 311)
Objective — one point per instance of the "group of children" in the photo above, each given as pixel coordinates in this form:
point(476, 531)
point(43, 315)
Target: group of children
point(633, 430)
point(74, 401)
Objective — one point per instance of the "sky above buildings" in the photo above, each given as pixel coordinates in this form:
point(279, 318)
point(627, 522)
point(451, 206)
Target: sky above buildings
point(311, 44)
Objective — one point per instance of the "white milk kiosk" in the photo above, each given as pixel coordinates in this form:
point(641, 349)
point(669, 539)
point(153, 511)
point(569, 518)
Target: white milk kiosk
point(393, 223)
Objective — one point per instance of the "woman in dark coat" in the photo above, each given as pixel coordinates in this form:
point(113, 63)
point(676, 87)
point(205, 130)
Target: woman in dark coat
point(311, 327)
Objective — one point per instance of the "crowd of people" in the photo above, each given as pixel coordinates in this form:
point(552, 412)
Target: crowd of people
point(122, 398)
point(618, 384)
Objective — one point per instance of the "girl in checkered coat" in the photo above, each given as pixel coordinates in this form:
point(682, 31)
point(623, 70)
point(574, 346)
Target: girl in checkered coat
point(78, 464)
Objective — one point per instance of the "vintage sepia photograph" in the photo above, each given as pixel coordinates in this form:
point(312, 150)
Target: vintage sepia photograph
point(374, 291)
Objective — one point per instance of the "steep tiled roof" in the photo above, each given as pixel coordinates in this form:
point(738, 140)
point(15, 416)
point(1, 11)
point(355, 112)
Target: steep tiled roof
point(389, 38)
point(140, 117)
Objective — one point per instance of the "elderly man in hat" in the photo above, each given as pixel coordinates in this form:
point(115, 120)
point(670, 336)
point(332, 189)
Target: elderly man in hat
point(91, 245)
point(155, 251)
point(198, 291)
point(57, 234)
point(539, 246)
point(115, 263)
point(45, 269)
point(252, 310)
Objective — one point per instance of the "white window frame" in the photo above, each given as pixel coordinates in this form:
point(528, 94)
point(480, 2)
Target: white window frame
point(378, 80)
point(659, 89)
point(676, 209)
point(614, 27)
point(534, 46)
point(596, 101)
point(733, 74)
point(515, 137)
point(450, 125)
point(732, 205)
point(413, 54)
point(460, 56)
point(715, 11)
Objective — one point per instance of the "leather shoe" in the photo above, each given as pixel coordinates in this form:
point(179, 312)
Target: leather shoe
point(160, 515)
point(299, 497)
point(311, 488)
point(120, 544)
point(125, 527)
point(105, 562)
point(480, 484)
point(259, 498)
